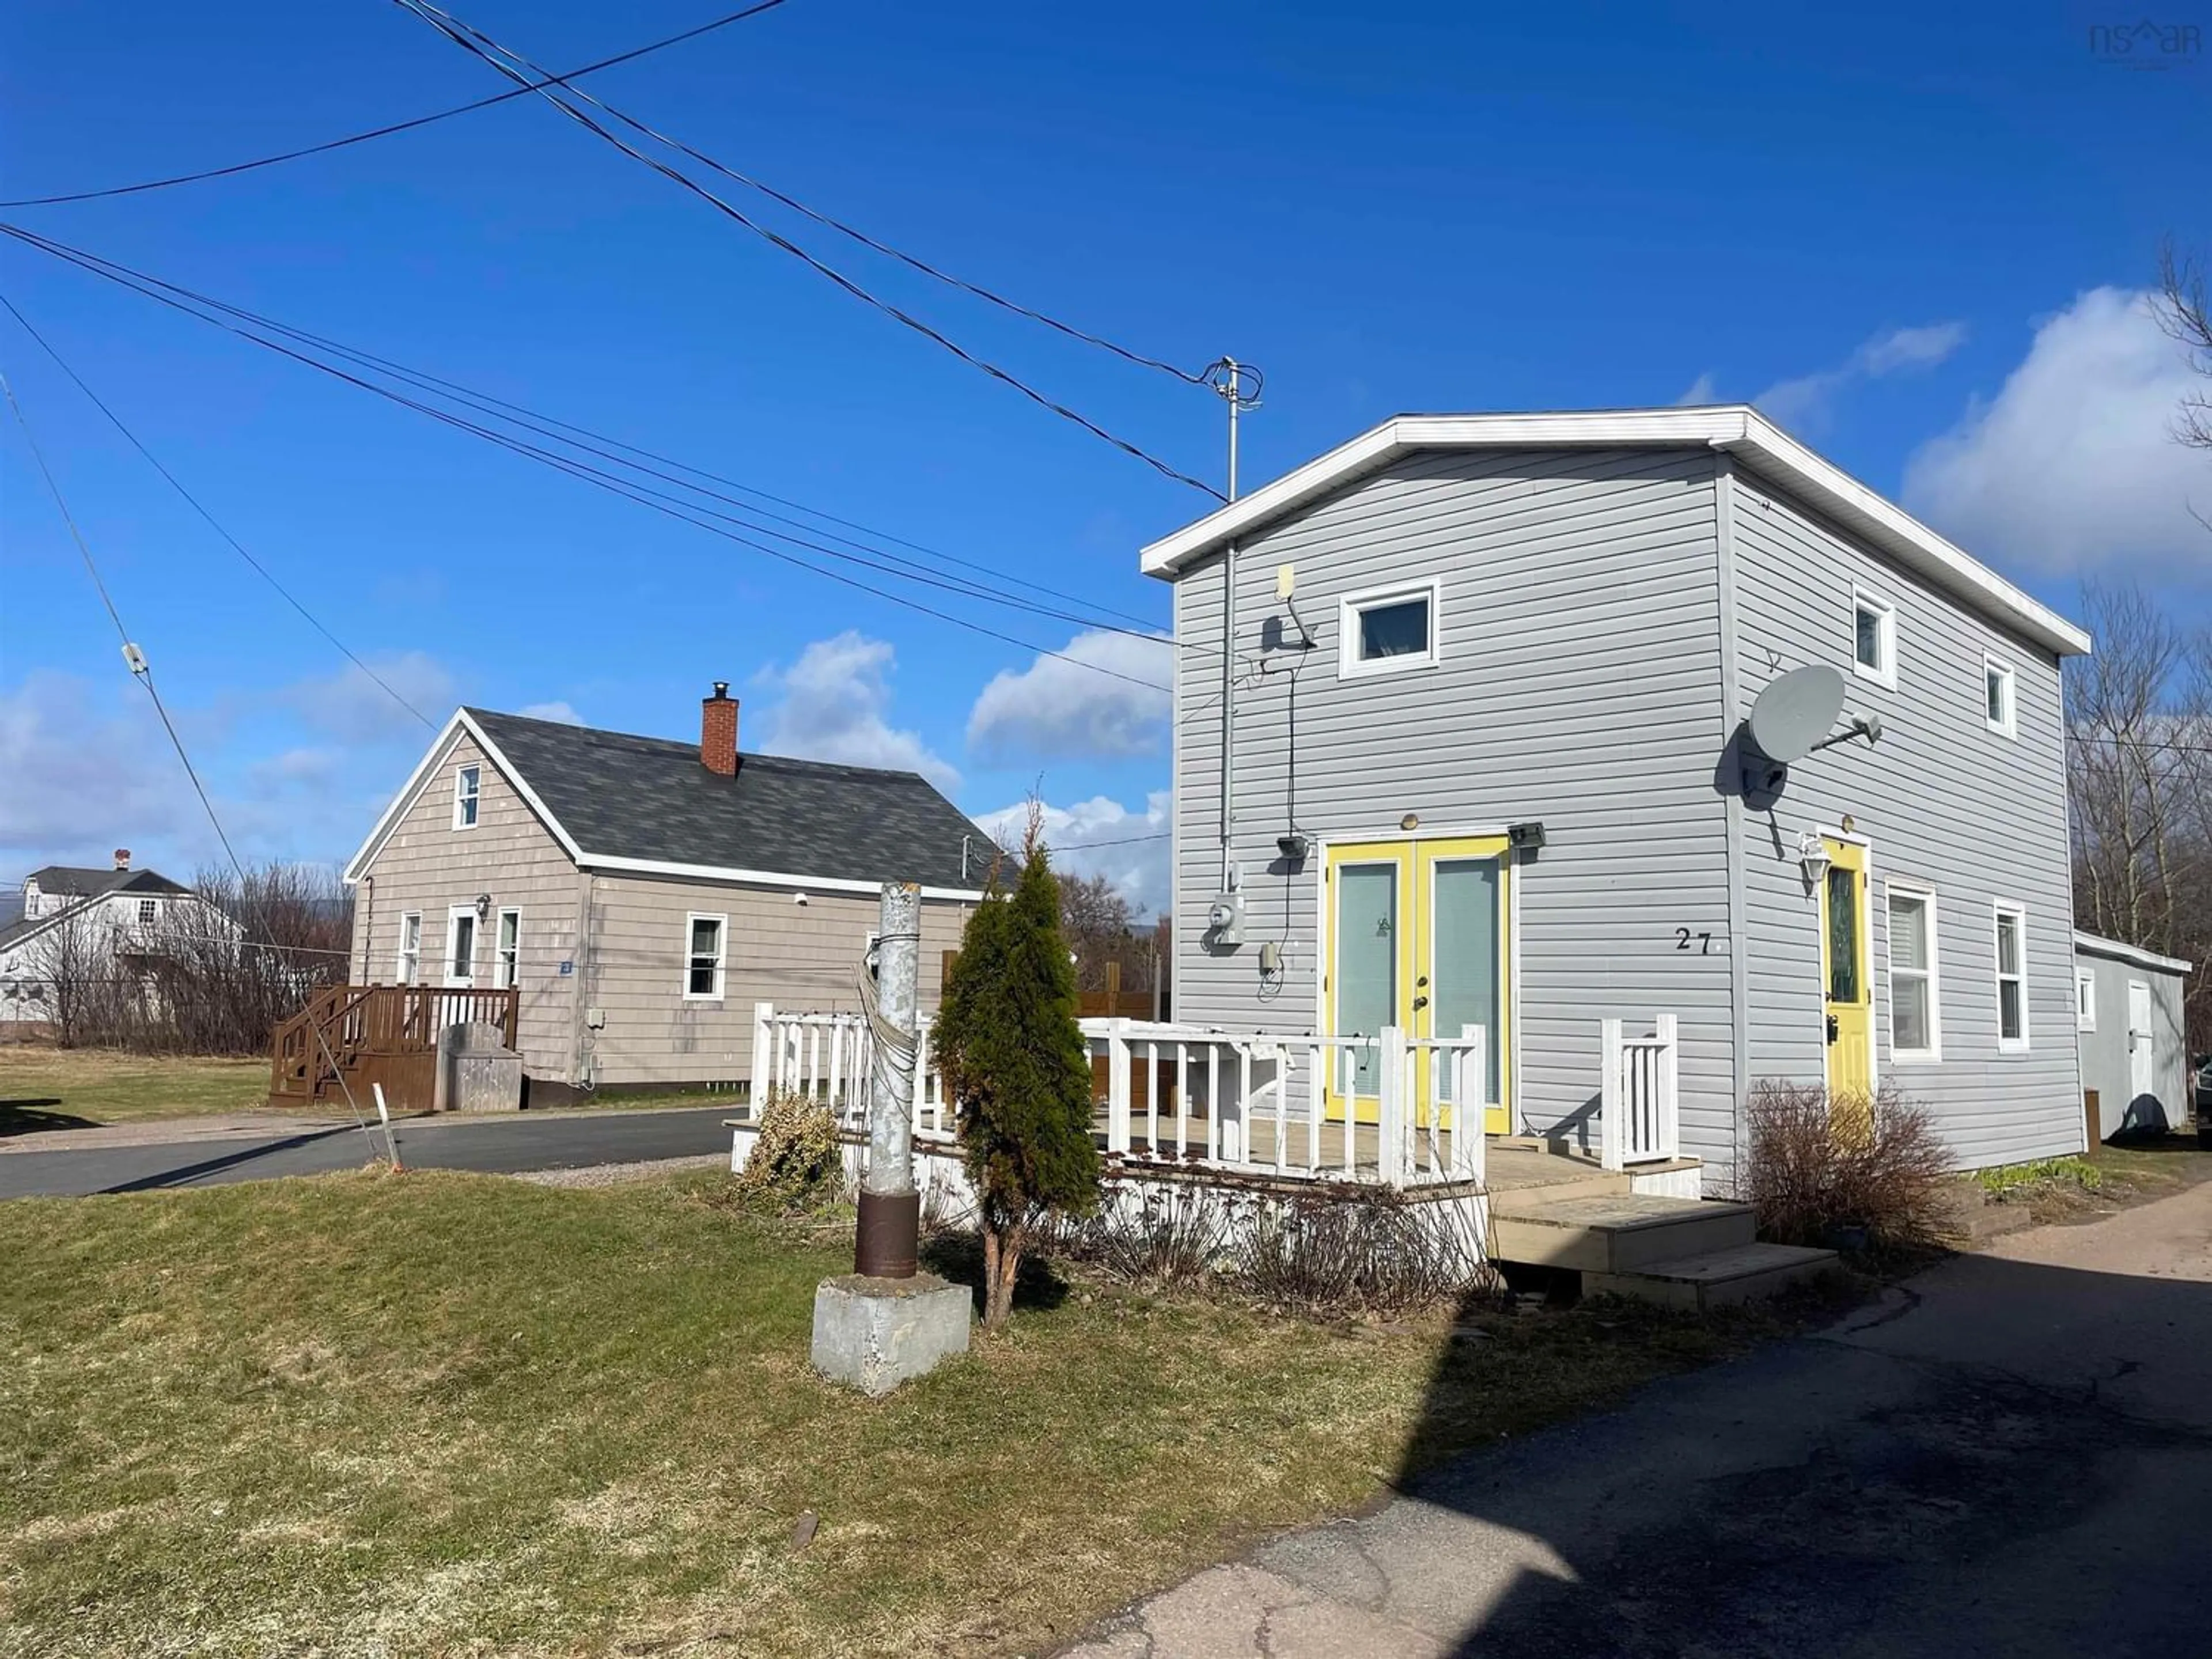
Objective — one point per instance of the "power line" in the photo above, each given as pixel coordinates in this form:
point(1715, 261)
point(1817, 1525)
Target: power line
point(460, 33)
point(551, 428)
point(262, 570)
point(1124, 841)
point(659, 501)
point(237, 168)
point(143, 672)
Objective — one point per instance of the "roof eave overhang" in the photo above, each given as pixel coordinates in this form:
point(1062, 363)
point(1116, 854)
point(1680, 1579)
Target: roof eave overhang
point(2096, 945)
point(1739, 431)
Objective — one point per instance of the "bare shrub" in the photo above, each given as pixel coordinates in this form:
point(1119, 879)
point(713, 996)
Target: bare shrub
point(1820, 1166)
point(798, 1161)
point(1352, 1249)
point(1173, 1235)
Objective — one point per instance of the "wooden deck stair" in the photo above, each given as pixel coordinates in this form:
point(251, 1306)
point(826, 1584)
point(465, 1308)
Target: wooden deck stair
point(1554, 1210)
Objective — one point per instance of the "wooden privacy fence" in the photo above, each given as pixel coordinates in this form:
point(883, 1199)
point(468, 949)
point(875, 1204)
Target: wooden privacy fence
point(350, 1037)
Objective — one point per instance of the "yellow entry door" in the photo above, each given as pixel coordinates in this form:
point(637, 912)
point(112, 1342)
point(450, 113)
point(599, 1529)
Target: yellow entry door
point(1846, 970)
point(1420, 935)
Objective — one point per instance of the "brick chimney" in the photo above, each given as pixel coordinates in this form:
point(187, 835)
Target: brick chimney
point(123, 857)
point(717, 730)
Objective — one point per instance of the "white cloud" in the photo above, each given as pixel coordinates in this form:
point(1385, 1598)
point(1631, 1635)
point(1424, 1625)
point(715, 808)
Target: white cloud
point(84, 776)
point(832, 704)
point(350, 705)
point(1102, 837)
point(2072, 464)
point(1803, 402)
point(1058, 708)
point(1699, 391)
point(556, 710)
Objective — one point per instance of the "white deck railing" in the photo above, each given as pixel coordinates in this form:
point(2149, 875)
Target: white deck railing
point(1640, 1098)
point(1262, 1103)
point(829, 1057)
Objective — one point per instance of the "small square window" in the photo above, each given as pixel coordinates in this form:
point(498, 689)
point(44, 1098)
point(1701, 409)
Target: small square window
point(468, 783)
point(147, 909)
point(1998, 706)
point(2084, 1000)
point(1873, 638)
point(1386, 632)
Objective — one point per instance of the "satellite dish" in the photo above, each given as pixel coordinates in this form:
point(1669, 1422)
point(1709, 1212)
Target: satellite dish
point(1796, 711)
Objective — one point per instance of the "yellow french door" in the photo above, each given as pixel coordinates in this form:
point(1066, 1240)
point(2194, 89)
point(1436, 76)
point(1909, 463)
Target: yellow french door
point(1420, 935)
point(1846, 970)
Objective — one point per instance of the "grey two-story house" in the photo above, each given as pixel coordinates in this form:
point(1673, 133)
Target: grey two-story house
point(1487, 766)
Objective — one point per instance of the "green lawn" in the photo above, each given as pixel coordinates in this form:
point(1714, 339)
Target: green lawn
point(432, 1413)
point(70, 1088)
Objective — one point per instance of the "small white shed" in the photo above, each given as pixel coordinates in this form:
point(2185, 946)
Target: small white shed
point(2135, 1063)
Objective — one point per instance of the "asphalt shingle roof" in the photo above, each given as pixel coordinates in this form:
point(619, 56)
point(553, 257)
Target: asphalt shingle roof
point(88, 883)
point(621, 796)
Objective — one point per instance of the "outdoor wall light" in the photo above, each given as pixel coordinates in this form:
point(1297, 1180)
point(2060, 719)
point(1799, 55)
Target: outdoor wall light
point(483, 905)
point(1525, 837)
point(1813, 858)
point(1410, 823)
point(1293, 847)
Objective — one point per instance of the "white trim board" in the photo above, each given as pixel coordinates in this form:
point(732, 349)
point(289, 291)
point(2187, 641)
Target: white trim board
point(461, 724)
point(2095, 945)
point(1737, 429)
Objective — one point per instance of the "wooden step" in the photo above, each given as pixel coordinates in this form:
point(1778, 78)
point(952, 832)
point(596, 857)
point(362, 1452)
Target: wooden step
point(1715, 1278)
point(1613, 1232)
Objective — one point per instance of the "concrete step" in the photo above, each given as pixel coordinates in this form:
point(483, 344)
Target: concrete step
point(1614, 1232)
point(1715, 1278)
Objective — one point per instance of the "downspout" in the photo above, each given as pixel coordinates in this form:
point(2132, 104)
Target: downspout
point(1724, 511)
point(368, 928)
point(1228, 705)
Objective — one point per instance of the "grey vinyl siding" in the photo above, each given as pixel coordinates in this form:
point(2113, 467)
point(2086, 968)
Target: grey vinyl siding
point(777, 950)
point(426, 865)
point(1946, 803)
point(1580, 684)
point(2105, 1049)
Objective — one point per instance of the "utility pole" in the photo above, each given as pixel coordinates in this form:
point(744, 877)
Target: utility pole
point(890, 1231)
point(1229, 378)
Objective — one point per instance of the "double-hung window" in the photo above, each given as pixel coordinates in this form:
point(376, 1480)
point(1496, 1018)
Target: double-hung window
point(2011, 964)
point(468, 784)
point(2084, 1000)
point(1873, 638)
point(507, 955)
point(461, 946)
point(703, 959)
point(409, 969)
point(1387, 630)
point(1998, 697)
point(1915, 1013)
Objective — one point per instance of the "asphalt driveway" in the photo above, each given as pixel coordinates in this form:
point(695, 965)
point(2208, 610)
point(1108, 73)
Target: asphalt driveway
point(506, 1146)
point(2013, 1456)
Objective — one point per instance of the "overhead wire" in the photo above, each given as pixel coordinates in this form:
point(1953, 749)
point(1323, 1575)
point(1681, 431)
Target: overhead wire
point(192, 501)
point(490, 52)
point(658, 500)
point(387, 131)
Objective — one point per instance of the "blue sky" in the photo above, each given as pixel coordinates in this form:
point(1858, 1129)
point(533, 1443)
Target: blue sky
point(1915, 234)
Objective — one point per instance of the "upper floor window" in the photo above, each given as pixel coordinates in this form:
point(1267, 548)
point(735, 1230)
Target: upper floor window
point(2012, 977)
point(1388, 629)
point(468, 782)
point(1998, 697)
point(1873, 638)
point(147, 909)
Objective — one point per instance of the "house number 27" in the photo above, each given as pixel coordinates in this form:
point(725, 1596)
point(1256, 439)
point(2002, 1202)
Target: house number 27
point(1683, 936)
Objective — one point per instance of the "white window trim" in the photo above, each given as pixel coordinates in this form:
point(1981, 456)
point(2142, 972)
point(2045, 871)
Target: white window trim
point(721, 956)
point(1933, 1053)
point(2085, 999)
point(505, 974)
point(1350, 665)
point(148, 910)
point(407, 965)
point(446, 975)
point(1998, 908)
point(1885, 634)
point(462, 820)
point(2009, 726)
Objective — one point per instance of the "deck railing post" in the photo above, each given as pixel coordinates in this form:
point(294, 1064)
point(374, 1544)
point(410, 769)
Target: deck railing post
point(1390, 1126)
point(1612, 1108)
point(1669, 1141)
point(1471, 1101)
point(1117, 1086)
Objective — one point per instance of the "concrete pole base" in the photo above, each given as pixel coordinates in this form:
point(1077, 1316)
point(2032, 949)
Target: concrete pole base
point(874, 1334)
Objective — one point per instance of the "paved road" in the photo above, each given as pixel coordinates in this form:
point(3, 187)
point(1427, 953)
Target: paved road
point(2013, 1456)
point(563, 1140)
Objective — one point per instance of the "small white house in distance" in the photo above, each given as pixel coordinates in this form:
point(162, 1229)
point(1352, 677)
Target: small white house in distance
point(2135, 1056)
point(1463, 714)
point(80, 923)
